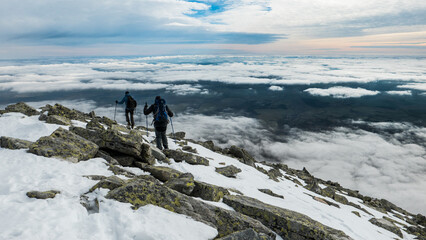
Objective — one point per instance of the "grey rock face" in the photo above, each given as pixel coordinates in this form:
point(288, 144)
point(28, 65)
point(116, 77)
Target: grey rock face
point(183, 184)
point(383, 223)
point(14, 143)
point(22, 108)
point(242, 155)
point(60, 120)
point(248, 234)
point(180, 156)
point(288, 224)
point(42, 195)
point(65, 145)
point(228, 171)
point(209, 192)
point(142, 192)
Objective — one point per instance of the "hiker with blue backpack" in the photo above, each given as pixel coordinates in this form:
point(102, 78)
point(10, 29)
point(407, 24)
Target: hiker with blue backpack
point(161, 118)
point(130, 108)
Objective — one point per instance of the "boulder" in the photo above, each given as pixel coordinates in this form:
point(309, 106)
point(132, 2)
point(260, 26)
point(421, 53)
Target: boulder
point(178, 135)
point(158, 154)
point(189, 149)
point(242, 155)
point(269, 192)
point(42, 195)
point(60, 120)
point(94, 124)
point(274, 174)
point(286, 223)
point(183, 184)
point(62, 111)
point(210, 145)
point(22, 108)
point(106, 121)
point(65, 145)
point(14, 143)
point(142, 192)
point(383, 223)
point(107, 157)
point(314, 187)
point(163, 174)
point(146, 154)
point(228, 171)
point(248, 234)
point(208, 191)
point(110, 183)
point(180, 156)
point(119, 171)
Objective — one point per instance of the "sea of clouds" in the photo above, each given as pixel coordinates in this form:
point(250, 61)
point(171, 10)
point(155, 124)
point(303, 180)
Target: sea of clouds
point(183, 74)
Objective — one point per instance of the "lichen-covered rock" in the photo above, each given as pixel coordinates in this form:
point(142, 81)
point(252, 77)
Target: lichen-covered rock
point(189, 149)
point(208, 191)
point(242, 155)
point(107, 121)
point(158, 154)
point(274, 174)
point(180, 156)
point(107, 157)
point(110, 183)
point(248, 234)
point(42, 195)
point(269, 192)
point(62, 111)
point(210, 145)
point(60, 120)
point(228, 171)
point(288, 224)
point(146, 154)
point(142, 192)
point(314, 187)
point(178, 135)
point(65, 145)
point(14, 143)
point(184, 183)
point(383, 223)
point(22, 108)
point(161, 173)
point(119, 171)
point(94, 124)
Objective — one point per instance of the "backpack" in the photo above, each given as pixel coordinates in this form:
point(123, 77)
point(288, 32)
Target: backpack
point(131, 102)
point(160, 112)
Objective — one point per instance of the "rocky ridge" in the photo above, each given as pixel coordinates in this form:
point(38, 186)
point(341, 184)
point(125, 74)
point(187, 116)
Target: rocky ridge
point(179, 192)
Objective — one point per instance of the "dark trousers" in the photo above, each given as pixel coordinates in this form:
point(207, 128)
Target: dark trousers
point(130, 120)
point(160, 137)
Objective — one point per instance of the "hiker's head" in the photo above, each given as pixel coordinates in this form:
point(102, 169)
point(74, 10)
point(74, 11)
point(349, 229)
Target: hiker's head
point(157, 99)
point(127, 92)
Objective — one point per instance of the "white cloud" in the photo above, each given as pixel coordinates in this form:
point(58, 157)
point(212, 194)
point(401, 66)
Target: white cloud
point(187, 89)
point(341, 92)
point(378, 166)
point(401, 93)
point(162, 72)
point(276, 88)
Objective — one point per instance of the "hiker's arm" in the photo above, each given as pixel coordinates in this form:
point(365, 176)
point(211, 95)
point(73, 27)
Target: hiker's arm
point(170, 113)
point(147, 110)
point(122, 100)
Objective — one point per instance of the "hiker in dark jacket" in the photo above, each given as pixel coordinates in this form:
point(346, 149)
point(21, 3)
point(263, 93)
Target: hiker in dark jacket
point(161, 113)
point(129, 110)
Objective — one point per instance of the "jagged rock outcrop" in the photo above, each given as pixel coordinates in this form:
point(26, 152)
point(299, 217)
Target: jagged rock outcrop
point(22, 108)
point(42, 195)
point(180, 156)
point(142, 192)
point(60, 120)
point(94, 124)
point(14, 143)
point(248, 234)
point(288, 224)
point(269, 192)
point(65, 145)
point(184, 183)
point(228, 171)
point(383, 223)
point(242, 155)
point(63, 111)
point(208, 191)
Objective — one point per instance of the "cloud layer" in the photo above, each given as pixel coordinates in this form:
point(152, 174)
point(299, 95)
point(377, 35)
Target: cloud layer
point(341, 92)
point(184, 74)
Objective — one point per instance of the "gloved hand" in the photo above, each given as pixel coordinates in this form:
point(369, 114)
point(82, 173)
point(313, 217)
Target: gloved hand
point(116, 101)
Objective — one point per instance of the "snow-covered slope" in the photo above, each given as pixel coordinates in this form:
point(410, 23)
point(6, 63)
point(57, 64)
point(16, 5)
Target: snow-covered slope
point(64, 217)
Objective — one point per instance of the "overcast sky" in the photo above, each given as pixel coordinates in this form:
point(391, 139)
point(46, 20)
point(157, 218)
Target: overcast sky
point(161, 27)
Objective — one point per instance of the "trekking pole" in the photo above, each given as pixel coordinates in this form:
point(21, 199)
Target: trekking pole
point(146, 116)
point(115, 111)
point(173, 130)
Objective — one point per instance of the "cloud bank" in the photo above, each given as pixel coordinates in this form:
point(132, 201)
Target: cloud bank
point(341, 92)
